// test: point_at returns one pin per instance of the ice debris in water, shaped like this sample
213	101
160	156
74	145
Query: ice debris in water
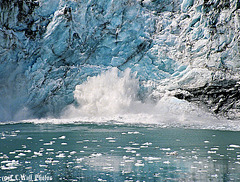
62	137
234	146
9	165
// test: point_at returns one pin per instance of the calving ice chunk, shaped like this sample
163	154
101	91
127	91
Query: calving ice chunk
112	92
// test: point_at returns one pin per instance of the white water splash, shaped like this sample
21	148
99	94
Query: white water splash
112	97
112	92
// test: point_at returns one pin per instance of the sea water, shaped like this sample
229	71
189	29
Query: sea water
116	152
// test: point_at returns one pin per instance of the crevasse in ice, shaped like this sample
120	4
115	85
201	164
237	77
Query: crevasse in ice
47	47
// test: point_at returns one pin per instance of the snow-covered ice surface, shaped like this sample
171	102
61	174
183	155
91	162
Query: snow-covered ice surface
162	53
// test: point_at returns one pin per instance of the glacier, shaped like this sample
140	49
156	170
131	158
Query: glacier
188	49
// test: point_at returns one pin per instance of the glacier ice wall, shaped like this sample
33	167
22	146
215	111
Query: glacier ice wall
47	47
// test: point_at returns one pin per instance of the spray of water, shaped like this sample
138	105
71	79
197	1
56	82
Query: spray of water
112	95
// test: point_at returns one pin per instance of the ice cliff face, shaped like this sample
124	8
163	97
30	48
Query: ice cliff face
190	48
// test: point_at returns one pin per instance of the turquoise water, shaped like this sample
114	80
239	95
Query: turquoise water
110	152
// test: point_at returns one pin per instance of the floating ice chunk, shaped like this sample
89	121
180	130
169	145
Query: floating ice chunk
13	135
212	152
38	154
60	155
172	153
62	137
96	155
4	157
130	148
9	165
214	148
214	176
8	168
3	162
79	160
129	161
42	165
19	150
110	138
165	149
134	132
50	143
73	152
49	160
234	146
135	144
166	162
21	154
151	158
147	143
139	164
